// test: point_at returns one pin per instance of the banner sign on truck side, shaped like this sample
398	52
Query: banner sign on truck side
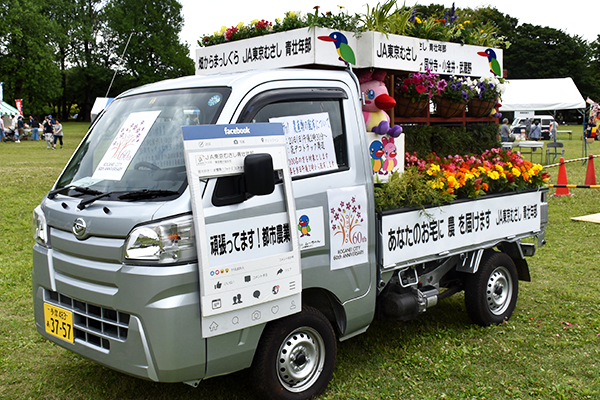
249	267
410	237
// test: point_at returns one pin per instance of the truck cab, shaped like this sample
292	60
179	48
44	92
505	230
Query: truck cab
106	252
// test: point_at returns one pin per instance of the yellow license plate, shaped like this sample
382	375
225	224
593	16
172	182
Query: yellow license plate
58	322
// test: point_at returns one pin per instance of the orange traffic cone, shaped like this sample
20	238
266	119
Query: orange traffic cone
562	180
590	176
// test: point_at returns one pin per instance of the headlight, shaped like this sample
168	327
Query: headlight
39	227
168	241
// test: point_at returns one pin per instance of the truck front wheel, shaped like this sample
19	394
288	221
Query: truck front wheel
491	293
296	356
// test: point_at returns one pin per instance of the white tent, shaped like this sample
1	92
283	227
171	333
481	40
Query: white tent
541	94
7	109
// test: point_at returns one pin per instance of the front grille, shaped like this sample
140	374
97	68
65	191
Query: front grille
92	324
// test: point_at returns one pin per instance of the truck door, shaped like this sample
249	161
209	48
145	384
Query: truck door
311	187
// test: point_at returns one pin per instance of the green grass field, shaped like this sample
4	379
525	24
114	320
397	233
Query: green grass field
549	349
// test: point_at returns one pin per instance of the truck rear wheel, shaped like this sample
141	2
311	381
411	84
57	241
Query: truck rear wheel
491	293
296	356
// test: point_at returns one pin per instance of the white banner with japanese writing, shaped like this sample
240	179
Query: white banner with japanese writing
414	235
330	47
348	226
309	143
412	54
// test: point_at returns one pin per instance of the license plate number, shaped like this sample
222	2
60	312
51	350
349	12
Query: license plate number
58	322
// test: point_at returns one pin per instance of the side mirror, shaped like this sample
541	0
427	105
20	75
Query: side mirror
259	174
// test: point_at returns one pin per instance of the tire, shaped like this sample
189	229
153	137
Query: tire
295	357
491	293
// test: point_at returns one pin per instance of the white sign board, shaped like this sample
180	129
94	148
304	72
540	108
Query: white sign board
311	228
410	236
249	268
412	54
125	145
309	142
319	46
348	224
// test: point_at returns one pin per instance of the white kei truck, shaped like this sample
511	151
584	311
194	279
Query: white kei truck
210	224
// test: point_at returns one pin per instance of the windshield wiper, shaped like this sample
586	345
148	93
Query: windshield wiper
132	195
147	194
81	189
90	200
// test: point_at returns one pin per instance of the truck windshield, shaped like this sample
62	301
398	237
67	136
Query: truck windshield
137	145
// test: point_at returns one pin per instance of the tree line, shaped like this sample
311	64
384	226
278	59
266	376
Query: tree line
60	55
57	54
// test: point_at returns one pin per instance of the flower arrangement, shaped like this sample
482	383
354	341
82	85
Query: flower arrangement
238	32
292	20
494	171
420	86
387	18
489	89
458	89
438	180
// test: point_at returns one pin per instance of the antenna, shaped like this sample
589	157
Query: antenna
122	55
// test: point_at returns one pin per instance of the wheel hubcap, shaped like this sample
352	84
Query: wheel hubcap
301	359
499	291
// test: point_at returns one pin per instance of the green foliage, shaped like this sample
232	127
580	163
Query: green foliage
470	139
387	17
27	63
154	52
408	190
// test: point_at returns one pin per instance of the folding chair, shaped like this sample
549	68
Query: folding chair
554	146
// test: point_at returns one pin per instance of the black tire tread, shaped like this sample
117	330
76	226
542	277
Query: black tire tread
475	290
265	378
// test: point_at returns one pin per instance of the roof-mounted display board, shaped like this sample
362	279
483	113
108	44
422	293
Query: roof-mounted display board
328	48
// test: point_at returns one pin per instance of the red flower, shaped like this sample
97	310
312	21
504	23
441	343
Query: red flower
420	88
404	88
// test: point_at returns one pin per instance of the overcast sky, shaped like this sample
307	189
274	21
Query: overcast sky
575	17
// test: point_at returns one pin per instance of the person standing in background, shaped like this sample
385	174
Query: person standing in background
48	132
58	134
35	128
553	128
536	132
504	130
20	128
2	128
527	124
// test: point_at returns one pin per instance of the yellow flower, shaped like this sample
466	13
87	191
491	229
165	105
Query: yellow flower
516	172
494	175
417	20
292	14
254	22
461	26
467	22
341	6
452	182
481	31
223	29
278	20
240	25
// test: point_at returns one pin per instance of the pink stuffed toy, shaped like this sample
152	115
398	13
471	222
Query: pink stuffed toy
377	101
